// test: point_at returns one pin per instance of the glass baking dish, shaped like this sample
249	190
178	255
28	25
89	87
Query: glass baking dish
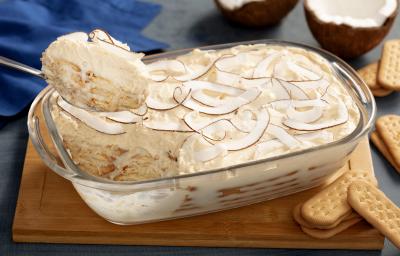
208	191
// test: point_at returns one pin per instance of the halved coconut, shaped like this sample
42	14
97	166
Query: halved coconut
350	28
255	13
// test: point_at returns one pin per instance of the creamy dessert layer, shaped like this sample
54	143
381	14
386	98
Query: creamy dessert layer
96	71
211	109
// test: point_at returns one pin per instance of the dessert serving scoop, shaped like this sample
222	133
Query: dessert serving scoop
33	71
92	71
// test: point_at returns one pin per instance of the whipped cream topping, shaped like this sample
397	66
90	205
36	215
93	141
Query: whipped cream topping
236	105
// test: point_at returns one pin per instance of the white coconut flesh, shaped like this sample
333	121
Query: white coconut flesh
141	111
341	117
220	121
91	119
354	13
161	70
126	117
228	106
235	4
249	139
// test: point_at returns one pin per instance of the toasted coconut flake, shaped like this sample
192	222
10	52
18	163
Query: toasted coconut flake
268	146
252	137
179	95
126	117
342	117
168	67
320	84
228	107
90	119
284	104
255	82
209	153
141	111
204	85
193	121
158	105
229	63
170	125
262	68
302	72
208	127
226	78
243	120
294	91
277	91
202	97
307	116
236	144
196	71
217	131
283	136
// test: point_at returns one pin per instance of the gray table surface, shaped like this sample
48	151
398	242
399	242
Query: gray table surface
185	24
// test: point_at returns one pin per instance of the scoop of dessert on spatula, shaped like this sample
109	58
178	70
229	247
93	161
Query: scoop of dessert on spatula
96	71
92	71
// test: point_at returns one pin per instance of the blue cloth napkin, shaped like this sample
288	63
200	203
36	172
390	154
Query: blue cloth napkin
27	27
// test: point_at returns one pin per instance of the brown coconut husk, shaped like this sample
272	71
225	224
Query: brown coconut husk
259	14
345	41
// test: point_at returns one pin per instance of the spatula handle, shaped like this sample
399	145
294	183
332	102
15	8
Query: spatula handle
21	67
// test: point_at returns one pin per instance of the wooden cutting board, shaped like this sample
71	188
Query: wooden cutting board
50	211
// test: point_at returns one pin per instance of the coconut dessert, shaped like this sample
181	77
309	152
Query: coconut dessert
89	71
212	109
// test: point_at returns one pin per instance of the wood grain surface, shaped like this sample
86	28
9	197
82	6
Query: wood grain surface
50	211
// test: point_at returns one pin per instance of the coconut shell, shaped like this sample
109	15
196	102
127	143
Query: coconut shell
343	40
259	14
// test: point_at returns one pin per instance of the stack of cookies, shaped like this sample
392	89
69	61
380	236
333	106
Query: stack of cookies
352	197
327	213
383	76
372	204
386	138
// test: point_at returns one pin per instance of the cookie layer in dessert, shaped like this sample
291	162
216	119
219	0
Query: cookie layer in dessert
212	109
96	71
